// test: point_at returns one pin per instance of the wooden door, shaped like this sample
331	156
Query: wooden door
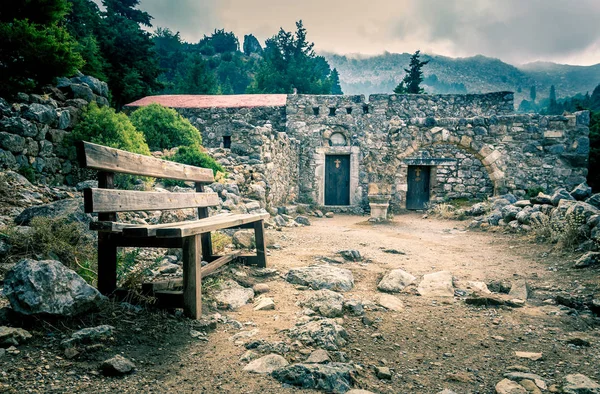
337	180
417	196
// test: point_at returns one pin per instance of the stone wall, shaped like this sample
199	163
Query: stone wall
33	128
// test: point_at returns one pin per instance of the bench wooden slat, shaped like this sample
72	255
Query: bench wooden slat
115	160
112	200
207	225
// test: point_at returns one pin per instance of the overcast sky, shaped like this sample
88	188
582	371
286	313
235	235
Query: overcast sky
516	31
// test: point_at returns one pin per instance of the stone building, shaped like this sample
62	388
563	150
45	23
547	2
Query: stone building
335	151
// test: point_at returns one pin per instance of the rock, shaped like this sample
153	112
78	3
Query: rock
49	288
350	255
325	302
580	384
261	288
506	386
264	304
529	355
88	335
390	302
520	290
334	377
10	336
383	373
70	209
324	333
232	296
518	376
322	277
118	365
581	192
541	199
594	200
319	356
266	364
395	281
438	284
303	220
560	194
587	260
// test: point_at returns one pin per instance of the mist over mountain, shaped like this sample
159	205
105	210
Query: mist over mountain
478	74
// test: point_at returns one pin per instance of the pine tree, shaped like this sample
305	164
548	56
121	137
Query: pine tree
414	76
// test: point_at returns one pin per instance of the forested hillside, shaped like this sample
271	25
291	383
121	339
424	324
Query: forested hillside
478	74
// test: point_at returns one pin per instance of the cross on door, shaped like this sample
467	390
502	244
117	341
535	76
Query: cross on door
337	163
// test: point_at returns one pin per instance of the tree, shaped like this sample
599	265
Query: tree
34	48
289	62
532	93
414	76
335	82
133	65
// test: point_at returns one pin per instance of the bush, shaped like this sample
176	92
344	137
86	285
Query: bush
56	239
164	128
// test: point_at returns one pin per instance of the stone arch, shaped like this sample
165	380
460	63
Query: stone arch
492	159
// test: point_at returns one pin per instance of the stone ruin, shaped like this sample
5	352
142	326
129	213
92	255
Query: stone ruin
286	149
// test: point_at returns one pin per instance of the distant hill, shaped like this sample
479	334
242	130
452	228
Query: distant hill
477	74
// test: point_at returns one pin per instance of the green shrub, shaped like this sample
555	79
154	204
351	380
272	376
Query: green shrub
164	128
56	239
194	157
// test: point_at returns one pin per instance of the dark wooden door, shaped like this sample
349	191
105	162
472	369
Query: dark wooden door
337	180
417	196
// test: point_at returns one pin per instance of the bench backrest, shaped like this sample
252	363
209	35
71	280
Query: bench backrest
106	201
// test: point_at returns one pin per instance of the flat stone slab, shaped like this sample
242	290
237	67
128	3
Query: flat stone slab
322	277
437	284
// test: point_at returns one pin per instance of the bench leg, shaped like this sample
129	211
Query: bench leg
107	264
259	236
207	250
192	281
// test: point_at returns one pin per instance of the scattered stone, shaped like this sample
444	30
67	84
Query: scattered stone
118	365
334	377
319	356
325	302
529	355
10	336
580	384
324	333
266	364
232	296
587	260
47	287
390	302
260	288
519	290
322	277
350	255
395	281
506	386
383	373
437	284
88	335
303	220
264	304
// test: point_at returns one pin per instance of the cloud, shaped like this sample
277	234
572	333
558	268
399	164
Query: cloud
513	30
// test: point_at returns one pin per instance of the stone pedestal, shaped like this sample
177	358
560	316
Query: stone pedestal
379	204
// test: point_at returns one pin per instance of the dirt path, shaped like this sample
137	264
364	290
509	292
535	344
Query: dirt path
430	345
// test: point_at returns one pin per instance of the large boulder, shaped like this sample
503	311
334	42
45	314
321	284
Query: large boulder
395	281
325	333
49	288
325	302
332	378
70	209
322	277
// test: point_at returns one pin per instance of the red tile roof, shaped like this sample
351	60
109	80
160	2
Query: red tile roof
211	101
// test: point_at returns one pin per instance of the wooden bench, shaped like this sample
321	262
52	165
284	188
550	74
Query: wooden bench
192	236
